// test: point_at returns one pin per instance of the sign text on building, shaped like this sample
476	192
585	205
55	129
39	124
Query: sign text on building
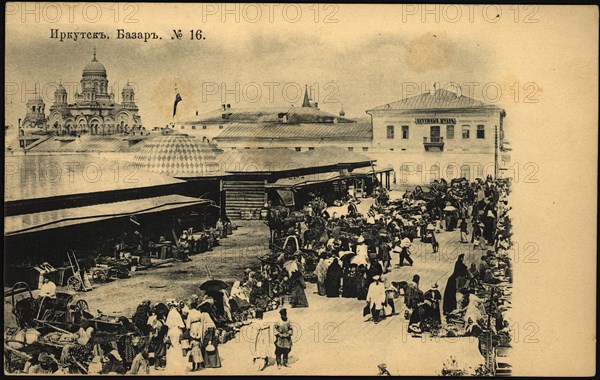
434	120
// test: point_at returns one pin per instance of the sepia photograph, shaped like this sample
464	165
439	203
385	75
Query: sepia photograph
284	189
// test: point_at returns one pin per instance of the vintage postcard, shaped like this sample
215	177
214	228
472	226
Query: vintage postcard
300	189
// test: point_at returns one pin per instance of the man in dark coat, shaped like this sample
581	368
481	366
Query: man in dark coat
361	282
349	283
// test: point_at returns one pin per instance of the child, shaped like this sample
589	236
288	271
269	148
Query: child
140	365
435	246
196	355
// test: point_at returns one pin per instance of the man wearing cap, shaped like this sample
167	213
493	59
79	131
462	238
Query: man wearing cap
352	210
283	339
376	298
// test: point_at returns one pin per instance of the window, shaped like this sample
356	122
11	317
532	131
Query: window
311	148
298	149
481	131
365	149
465	171
193	127
220	127
204	127
449	132
466	131
405	132
350	149
390	131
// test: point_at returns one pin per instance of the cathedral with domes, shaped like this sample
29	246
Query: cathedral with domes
93	112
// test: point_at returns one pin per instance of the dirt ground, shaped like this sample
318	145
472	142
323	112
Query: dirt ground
176	280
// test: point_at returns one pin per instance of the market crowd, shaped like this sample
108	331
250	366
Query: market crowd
348	255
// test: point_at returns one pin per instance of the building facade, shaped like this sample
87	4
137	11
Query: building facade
94	111
438	134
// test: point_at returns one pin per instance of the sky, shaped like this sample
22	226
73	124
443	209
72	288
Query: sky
357	56
367	58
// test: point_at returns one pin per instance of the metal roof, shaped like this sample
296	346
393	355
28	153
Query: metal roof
305	180
284	131
92	143
439	99
179	155
265	115
271	160
35	176
45	220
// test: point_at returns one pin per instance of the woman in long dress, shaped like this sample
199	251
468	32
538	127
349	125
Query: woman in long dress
361	282
176	362
333	279
261	346
460	271
320	272
349	281
210	341
297	285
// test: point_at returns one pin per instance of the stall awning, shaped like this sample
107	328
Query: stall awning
369	170
294	182
19	224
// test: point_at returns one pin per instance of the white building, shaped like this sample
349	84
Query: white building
438	134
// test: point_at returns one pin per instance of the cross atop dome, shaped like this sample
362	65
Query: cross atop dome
94	60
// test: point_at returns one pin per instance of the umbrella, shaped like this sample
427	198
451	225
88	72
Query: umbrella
213	285
449	208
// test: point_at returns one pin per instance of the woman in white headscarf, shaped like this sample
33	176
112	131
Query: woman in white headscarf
261	347
176	363
239	291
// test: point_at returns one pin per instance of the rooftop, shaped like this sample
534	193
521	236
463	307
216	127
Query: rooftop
266	115
178	155
29	177
439	99
282	159
91	143
303	131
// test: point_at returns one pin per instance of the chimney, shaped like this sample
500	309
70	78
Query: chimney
228	106
434	88
196	112
224	107
458	91
316	105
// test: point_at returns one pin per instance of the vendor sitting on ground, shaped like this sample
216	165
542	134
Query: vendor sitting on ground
48	289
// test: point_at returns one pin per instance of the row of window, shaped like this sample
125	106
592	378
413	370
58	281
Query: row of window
351	149
466	131
203	127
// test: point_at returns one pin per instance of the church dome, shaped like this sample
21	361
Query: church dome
60	90
127	88
178	155
94	67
